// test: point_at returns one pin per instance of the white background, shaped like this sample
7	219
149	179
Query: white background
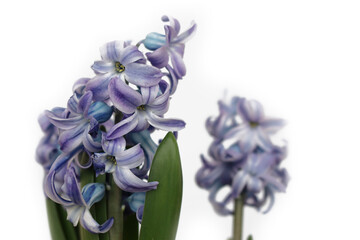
299	58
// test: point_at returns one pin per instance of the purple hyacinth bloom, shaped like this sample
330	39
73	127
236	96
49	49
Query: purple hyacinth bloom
80	125
124	61
81	201
144	108
48	149
171	45
256	128
119	162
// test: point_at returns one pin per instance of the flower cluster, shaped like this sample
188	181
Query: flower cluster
109	120
242	156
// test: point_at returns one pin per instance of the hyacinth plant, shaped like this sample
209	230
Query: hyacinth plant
101	163
242	158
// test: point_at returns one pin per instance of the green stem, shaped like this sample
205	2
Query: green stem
131	227
115	210
69	229
87	176
101	209
238	218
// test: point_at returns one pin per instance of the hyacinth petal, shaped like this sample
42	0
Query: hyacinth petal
123	96
251	111
84	103
178	48
272	125
149	94
262	139
178	63
64	123
50	190
219	207
72	104
72	187
90	144
131	158
79	85
136	200
123	127
111	51
100	111
128	182
165	124
93	193
114	147
89	223
173	22
239	183
130	54
187	35
101	67
71	139
173	79
163	97
139	213
74	213
159	58
98	85
170	33
142	75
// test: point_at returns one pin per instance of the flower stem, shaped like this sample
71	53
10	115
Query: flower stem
131	227
238	218
101	209
115	210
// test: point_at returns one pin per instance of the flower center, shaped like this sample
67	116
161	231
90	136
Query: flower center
254	124
111	158
119	67
141	107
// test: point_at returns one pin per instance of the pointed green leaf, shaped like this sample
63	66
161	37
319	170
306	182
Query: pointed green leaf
250	237
131	227
162	206
56	230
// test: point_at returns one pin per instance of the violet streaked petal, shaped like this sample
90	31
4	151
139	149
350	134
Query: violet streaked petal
84	103
64	123
50	190
90	144
111	51
165	124
89	223
251	111
98	85
159	58
170	33
173	79
72	188
72	104
149	94
71	139
124	97
263	140
139	213
92	193
239	183
173	22
123	127
159	100
128	182
142	122
130	158
179	48
130	54
142	75
101	67
113	147
272	125
79	85
177	63
187	35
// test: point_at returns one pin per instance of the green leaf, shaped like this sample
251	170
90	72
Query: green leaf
162	206
250	237
56	230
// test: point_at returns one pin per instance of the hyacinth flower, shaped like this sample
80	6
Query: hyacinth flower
145	108
243	158
124	61
99	155
82	201
169	46
119	162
